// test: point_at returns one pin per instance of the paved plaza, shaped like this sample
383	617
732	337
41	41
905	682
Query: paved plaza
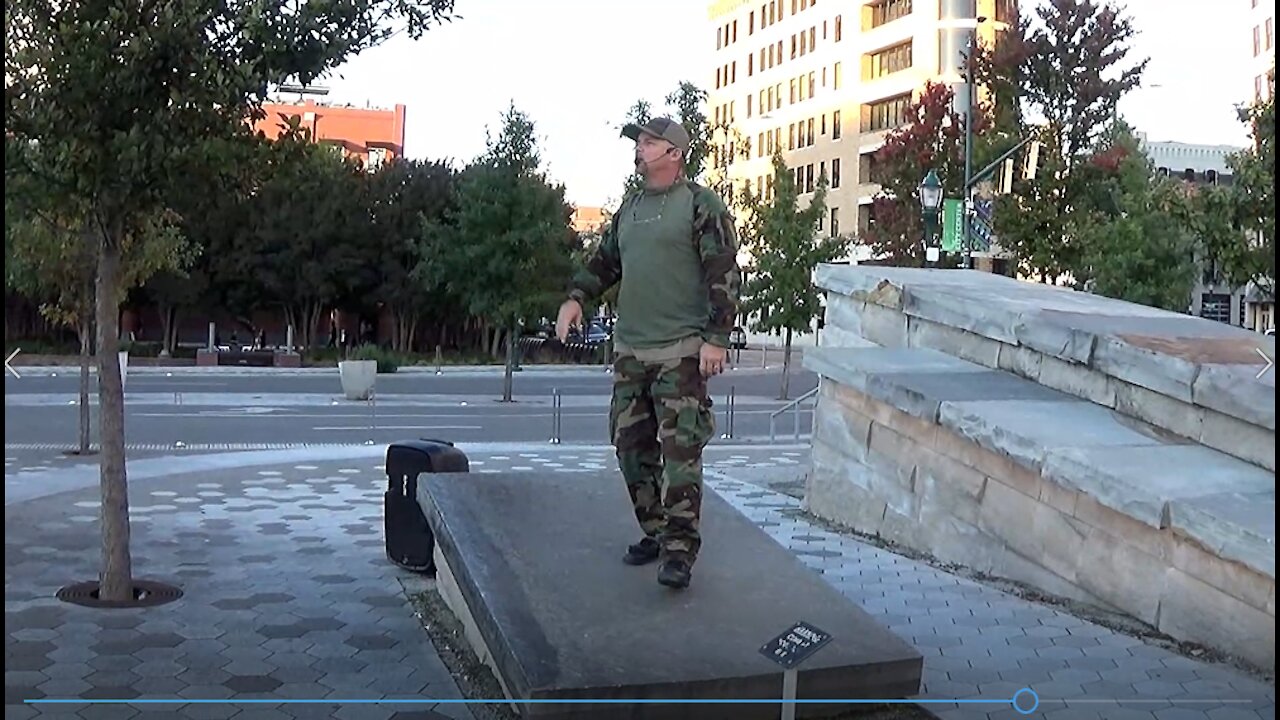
288	596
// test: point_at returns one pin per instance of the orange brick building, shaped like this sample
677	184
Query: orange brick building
372	135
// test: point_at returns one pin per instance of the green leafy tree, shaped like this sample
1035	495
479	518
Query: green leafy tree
785	246
49	259
507	238
1135	244
403	195
309	223
1074	66
932	138
116	94
1237	222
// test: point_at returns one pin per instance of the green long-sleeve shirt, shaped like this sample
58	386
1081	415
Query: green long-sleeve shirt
675	253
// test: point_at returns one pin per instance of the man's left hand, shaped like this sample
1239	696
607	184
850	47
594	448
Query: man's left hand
712	359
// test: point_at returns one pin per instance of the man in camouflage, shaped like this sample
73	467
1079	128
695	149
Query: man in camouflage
673	247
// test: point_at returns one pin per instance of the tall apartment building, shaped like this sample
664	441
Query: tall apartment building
825	80
1262	16
371	135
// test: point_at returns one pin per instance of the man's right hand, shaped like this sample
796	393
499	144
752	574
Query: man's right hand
570	316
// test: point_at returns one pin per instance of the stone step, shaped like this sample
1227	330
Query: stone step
1156	478
1204	380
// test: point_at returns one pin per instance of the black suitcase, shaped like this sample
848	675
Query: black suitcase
409	539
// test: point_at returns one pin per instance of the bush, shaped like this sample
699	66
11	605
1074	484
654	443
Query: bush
387	360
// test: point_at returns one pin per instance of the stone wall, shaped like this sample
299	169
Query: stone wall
1193	377
1074	480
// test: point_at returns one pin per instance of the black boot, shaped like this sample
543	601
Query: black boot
642	553
675	573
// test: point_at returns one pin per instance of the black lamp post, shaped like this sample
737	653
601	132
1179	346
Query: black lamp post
930	202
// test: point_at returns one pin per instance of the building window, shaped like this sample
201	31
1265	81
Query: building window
835	76
751	22
885	11
839	28
735	31
835	180
835	220
1257	41
813	37
791	136
835	125
733	72
887	62
1215	306
793	47
377	158
885	114
808	178
810	128
720	37
822	125
1269	35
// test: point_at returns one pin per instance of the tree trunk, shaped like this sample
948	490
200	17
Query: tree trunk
411	341
116	581
169	326
511	364
786	367
314	313
85	419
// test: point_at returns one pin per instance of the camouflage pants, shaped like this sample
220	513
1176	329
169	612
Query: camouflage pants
660	419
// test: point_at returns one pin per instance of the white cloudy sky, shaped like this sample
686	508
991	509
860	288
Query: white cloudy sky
575	66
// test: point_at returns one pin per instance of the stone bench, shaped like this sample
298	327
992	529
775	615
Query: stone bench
530	563
1009	477
1193	377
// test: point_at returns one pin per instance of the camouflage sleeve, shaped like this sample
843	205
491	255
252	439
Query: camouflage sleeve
602	270
717	243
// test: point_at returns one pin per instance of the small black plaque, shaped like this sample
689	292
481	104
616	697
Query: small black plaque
795	645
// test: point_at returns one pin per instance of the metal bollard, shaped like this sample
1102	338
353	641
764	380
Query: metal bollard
729	411
373	416
439	361
555	416
764	356
797	419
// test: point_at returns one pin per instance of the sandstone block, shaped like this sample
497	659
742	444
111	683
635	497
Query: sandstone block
1233	578
1164	373
1176	416
834	493
1122	575
1195	610
952	341
1020	360
1078	380
1237	391
1250	443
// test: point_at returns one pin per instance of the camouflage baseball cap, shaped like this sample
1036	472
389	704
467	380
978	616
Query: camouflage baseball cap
660	127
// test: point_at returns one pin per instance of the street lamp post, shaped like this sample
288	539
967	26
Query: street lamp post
971	89
930	202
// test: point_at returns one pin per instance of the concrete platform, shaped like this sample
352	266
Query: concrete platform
531	563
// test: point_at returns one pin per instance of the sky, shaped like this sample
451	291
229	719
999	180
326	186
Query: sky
576	66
